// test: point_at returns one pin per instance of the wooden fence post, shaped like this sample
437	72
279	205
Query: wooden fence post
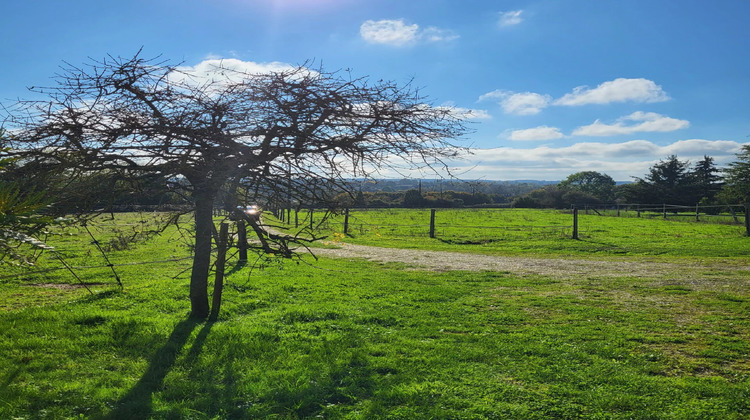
575	223
734	215
639	210
432	223
747	219
697	214
221	258
346	221
664	210
242	240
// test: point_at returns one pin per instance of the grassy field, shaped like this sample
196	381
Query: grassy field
541	232
354	339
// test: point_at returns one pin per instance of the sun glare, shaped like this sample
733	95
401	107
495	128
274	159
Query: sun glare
303	5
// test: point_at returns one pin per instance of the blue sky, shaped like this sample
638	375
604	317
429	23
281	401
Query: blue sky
555	87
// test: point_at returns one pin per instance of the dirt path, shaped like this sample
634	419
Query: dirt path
557	267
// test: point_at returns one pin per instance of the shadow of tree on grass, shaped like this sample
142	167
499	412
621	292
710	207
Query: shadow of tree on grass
137	403
221	383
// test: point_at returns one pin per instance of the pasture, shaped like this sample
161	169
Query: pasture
540	232
338	338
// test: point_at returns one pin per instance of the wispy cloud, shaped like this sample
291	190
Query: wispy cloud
633	123
524	103
472	114
466	113
389	32
618	90
622	161
613	152
510	18
398	33
224	70
433	34
537	133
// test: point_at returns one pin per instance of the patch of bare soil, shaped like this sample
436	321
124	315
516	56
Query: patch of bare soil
556	267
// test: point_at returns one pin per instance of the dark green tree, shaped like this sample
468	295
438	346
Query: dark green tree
21	220
638	192
670	180
704	180
413	199
737	178
554	196
593	183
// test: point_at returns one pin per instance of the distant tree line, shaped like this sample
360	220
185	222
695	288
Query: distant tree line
670	181
413	198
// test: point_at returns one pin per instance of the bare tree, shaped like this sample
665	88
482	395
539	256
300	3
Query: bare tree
269	130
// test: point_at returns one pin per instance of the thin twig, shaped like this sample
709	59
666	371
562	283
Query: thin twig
109	264
72	272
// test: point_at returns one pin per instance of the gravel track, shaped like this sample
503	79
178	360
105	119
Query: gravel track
557	267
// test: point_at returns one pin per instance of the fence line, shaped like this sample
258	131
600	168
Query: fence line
667	211
429	226
88	267
642	210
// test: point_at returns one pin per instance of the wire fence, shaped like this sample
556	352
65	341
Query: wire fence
730	214
470	222
91	244
468	225
430	223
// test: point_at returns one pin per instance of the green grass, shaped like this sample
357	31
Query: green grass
353	339
542	232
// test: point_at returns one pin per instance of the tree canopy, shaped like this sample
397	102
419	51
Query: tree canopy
737	177
667	181
704	179
594	183
285	132
21	220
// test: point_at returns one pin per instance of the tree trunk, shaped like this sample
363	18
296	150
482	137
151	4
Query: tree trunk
221	258
202	259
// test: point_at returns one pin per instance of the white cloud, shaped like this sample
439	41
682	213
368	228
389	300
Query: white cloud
224	70
538	133
510	18
466	113
647	122
472	114
389	32
697	148
433	34
524	103
210	66
494	95
622	161
618	90
398	33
